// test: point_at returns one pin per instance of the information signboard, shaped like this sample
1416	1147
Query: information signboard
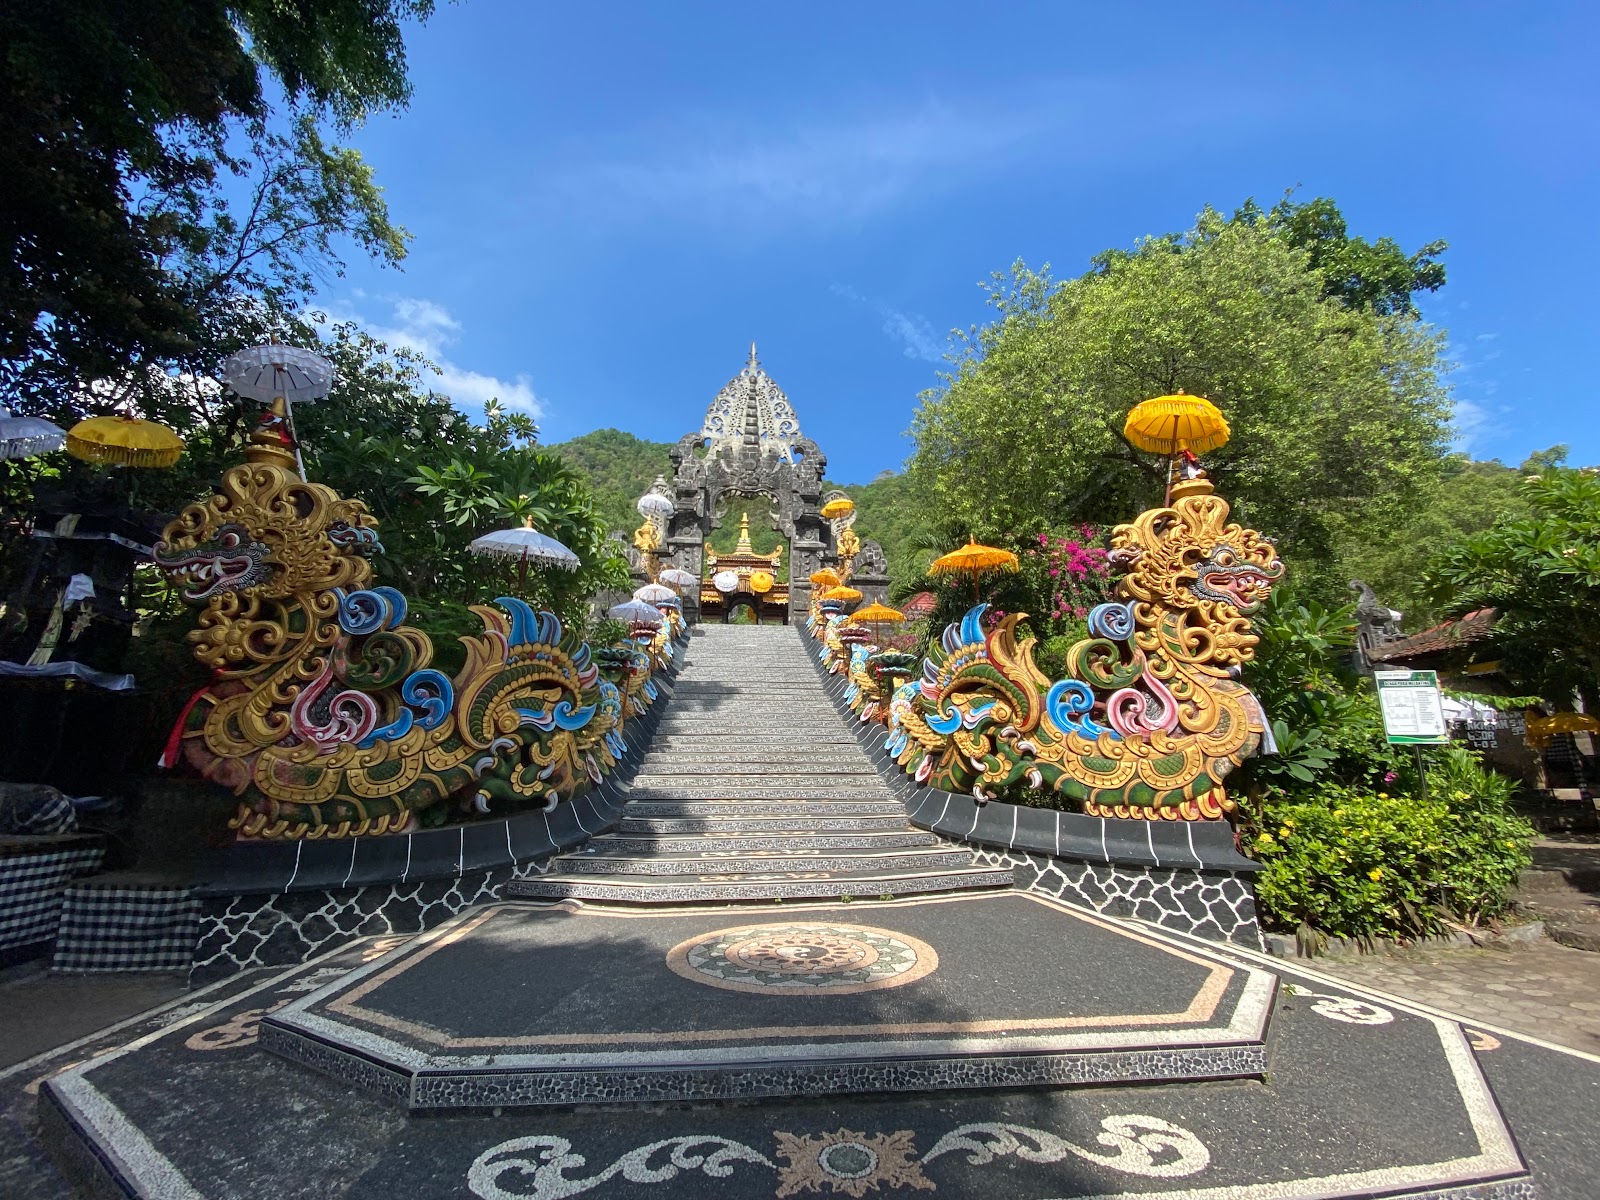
1413	709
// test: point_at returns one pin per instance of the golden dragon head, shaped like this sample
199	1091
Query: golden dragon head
1190	557
268	533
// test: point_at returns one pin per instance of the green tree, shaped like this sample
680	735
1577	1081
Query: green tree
1391	556
120	122
1338	413
619	469
1542	573
1376	276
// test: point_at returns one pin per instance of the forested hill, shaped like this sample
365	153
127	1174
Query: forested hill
620	467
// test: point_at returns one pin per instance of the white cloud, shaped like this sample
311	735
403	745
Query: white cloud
429	329
1473	423
832	171
912	330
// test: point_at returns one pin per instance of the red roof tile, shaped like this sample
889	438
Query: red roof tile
1473	627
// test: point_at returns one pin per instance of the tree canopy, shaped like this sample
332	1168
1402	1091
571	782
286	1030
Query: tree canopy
1541	571
119	125
1337	409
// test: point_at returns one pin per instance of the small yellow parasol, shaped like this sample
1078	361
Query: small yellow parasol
761	582
124	442
973	559
876	614
1174	424
826	578
847	594
842	507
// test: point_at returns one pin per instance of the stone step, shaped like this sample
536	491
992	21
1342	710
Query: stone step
685	737
778	790
839	741
787	839
671	761
767	807
763	862
767	824
712	780
774	886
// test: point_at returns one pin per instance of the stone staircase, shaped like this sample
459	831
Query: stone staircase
755	789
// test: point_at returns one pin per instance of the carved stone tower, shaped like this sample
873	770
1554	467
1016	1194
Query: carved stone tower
750	446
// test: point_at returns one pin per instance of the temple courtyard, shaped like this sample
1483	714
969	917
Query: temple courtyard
778	985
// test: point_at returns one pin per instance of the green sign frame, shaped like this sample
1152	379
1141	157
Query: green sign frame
1412	707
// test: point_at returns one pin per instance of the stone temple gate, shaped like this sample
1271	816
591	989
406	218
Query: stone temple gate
750	449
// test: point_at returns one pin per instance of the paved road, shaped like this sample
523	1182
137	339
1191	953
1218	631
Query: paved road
1544	990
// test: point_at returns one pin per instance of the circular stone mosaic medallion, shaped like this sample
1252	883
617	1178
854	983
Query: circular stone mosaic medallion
803	957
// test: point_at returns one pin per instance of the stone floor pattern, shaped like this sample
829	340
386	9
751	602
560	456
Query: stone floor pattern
754	788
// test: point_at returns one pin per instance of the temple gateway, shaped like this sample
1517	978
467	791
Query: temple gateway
750	461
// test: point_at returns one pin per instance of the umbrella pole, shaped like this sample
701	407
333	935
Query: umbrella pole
522	572
1171	459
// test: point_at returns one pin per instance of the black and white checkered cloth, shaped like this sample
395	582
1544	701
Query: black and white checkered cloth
113	928
31	889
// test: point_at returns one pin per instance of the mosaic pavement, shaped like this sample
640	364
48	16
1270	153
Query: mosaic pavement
1364	1097
907	1023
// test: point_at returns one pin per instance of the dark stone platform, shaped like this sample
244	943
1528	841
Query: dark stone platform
557	1005
1364	1098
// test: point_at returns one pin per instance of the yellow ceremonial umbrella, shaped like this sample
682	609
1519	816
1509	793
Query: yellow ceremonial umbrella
1173	424
847	594
826	578
973	559
761	582
842	507
876	614
124	442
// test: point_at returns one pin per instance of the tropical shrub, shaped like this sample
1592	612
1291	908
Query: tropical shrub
1354	841
1353	863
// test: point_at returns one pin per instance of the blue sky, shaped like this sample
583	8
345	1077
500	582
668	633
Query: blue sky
611	201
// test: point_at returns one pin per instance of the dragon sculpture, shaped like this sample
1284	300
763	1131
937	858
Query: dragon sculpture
1152	716
324	715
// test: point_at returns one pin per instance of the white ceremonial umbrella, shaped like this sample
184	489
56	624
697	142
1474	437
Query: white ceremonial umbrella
725	581
637	612
654	504
654	593
23	437
267	372
679	578
528	545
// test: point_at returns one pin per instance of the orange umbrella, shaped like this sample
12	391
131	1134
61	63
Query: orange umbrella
876	614
826	578
842	507
1175	424
848	594
973	559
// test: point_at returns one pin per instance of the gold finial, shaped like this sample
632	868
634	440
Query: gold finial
1194	485
272	444
744	546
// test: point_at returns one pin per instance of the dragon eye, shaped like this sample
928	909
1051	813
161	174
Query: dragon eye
229	539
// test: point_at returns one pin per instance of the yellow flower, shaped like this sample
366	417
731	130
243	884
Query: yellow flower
1284	832
1375	874
1383	795
1266	839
